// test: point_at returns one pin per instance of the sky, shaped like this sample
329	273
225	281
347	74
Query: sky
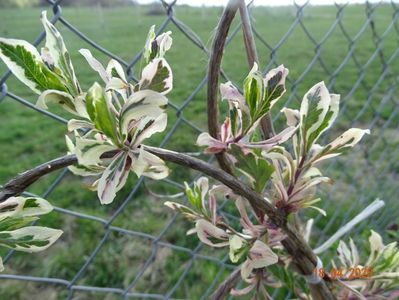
261	2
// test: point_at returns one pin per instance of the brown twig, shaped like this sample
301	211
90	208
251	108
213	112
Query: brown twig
213	76
226	286
266	123
20	183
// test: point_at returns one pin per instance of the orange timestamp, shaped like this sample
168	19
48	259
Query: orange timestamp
341	273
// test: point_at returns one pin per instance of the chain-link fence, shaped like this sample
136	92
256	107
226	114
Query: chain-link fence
136	248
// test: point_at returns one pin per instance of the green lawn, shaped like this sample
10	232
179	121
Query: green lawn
28	138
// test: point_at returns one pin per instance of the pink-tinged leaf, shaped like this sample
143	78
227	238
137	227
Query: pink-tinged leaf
186	211
230	93
213	145
113	178
225	132
206	230
278	139
245	222
261	255
213	208
242	292
149	165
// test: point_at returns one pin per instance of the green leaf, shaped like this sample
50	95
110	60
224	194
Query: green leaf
98	108
25	63
12	223
253	91
254	167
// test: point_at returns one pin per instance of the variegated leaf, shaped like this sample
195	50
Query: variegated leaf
238	248
89	151
98	107
141	104
259	256
64	99
149	165
156	47
24	207
329	119
314	107
95	64
157	76
147	127
346	140
26	64
60	56
254	91
206	230
114	177
197	194
274	88
30	238
186	211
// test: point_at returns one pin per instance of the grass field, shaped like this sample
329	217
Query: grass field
28	138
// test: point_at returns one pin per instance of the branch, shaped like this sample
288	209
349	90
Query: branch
295	245
213	76
20	183
266	123
225	287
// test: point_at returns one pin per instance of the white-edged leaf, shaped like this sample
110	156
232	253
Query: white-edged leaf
114	177
95	64
314	107
141	104
74	124
346	140
147	127
237	248
30	238
89	151
64	99
206	230
24	207
149	165
157	76
26	64
114	69
292	116
59	55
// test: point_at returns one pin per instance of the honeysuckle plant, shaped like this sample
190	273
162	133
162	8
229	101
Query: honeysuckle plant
112	119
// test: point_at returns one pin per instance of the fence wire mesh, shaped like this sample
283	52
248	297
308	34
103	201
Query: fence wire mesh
135	248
